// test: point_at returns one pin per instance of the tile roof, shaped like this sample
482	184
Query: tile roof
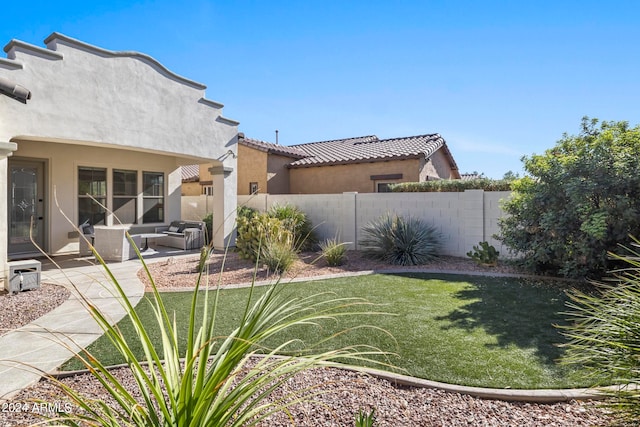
190	173
272	148
367	148
469	176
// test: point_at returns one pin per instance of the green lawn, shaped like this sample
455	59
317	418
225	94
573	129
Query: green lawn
476	331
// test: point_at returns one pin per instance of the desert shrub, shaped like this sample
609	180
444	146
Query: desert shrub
400	241
298	222
254	231
452	185
579	200
604	337
333	251
246	212
278	252
484	254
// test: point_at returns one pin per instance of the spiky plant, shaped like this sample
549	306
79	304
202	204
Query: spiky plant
365	419
277	252
604	336
333	251
400	241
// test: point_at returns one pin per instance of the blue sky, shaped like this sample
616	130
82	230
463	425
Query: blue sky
497	79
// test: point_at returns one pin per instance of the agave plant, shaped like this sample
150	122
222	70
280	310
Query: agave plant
400	241
216	383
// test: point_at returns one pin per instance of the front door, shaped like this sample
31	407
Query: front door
26	208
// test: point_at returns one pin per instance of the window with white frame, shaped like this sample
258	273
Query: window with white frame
125	195
207	190
152	197
92	195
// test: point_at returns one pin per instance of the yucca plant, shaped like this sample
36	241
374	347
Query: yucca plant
333	251
604	336
400	241
218	382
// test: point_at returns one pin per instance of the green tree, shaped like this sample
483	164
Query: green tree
577	201
510	176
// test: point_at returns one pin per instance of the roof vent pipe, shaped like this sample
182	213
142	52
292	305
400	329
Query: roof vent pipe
276	136
14	90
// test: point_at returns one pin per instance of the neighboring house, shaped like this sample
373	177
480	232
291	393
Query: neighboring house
365	164
470	176
79	122
263	167
191	180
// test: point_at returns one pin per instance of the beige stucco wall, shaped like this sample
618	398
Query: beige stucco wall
437	167
252	167
86	96
191	189
278	174
352	177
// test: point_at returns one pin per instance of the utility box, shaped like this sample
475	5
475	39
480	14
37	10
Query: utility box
22	275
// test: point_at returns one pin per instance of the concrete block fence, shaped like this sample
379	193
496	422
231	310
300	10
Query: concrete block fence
463	219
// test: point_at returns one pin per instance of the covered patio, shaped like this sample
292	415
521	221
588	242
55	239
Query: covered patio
93	136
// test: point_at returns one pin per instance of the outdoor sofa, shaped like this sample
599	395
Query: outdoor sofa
183	235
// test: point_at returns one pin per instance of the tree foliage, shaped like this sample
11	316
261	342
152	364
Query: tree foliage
578	200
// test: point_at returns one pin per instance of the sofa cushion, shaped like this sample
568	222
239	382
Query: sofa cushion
173	233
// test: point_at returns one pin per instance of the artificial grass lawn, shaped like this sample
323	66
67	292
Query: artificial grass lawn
475	331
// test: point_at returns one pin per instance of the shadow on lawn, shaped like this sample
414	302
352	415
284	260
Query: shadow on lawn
516	311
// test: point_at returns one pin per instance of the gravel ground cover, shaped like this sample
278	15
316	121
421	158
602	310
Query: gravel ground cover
24	307
341	393
230	269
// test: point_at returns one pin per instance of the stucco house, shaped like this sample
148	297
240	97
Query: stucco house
191	180
78	121
264	167
364	164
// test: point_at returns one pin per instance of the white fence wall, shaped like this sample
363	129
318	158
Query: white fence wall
194	208
463	219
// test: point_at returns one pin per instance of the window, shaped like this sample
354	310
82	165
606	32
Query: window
153	197
253	187
207	190
92	184
383	187
125	196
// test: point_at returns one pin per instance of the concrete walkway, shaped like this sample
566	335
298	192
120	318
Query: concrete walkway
42	346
